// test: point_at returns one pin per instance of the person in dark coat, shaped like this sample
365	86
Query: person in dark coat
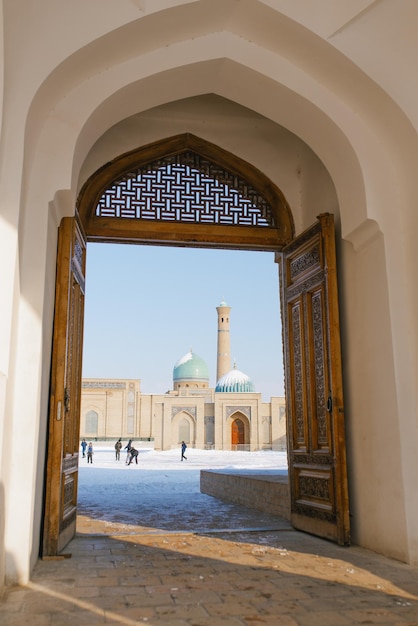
83	447
133	455
183	450
128	450
118	448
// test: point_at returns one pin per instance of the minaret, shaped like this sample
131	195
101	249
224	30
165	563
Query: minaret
224	342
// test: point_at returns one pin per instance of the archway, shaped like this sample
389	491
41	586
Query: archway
183	427
240	432
118	204
137	198
92	423
237	432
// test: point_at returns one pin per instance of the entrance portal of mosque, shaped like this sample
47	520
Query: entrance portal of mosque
237	433
184	191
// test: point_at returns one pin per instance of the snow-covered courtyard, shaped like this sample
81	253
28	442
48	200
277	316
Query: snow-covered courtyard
162	493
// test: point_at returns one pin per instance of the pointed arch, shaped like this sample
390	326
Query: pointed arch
228	202
183	425
239	431
92	423
184	430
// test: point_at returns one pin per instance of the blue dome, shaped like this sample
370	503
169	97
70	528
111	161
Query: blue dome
191	367
235	382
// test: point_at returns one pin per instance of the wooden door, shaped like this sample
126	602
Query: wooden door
65	393
314	393
237	432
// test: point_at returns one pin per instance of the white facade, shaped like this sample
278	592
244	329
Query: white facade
113	408
320	96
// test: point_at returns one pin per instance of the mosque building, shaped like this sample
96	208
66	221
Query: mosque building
231	416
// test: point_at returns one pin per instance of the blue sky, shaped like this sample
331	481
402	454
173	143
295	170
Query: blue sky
146	306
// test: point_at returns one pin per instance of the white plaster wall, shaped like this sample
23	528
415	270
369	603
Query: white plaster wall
70	77
2	486
279	154
377	489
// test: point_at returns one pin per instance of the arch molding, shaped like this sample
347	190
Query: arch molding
274	231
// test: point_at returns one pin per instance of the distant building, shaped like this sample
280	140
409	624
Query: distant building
231	416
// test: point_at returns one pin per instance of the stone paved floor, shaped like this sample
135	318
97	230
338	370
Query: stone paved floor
228	578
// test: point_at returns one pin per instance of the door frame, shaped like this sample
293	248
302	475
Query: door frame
275	237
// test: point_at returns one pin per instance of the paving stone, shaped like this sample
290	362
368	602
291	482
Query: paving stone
278	578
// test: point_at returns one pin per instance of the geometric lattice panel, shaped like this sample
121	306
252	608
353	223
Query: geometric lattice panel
185	188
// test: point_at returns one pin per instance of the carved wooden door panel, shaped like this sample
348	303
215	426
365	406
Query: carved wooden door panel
314	394
65	393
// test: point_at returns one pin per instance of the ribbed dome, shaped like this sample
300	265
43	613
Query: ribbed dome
190	367
234	381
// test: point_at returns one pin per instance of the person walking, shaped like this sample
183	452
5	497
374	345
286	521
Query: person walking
183	450
133	455
128	450
90	453
118	448
83	447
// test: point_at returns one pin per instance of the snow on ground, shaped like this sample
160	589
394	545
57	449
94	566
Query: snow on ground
161	492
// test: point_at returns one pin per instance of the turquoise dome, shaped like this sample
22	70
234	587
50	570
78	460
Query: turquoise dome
235	382
191	367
